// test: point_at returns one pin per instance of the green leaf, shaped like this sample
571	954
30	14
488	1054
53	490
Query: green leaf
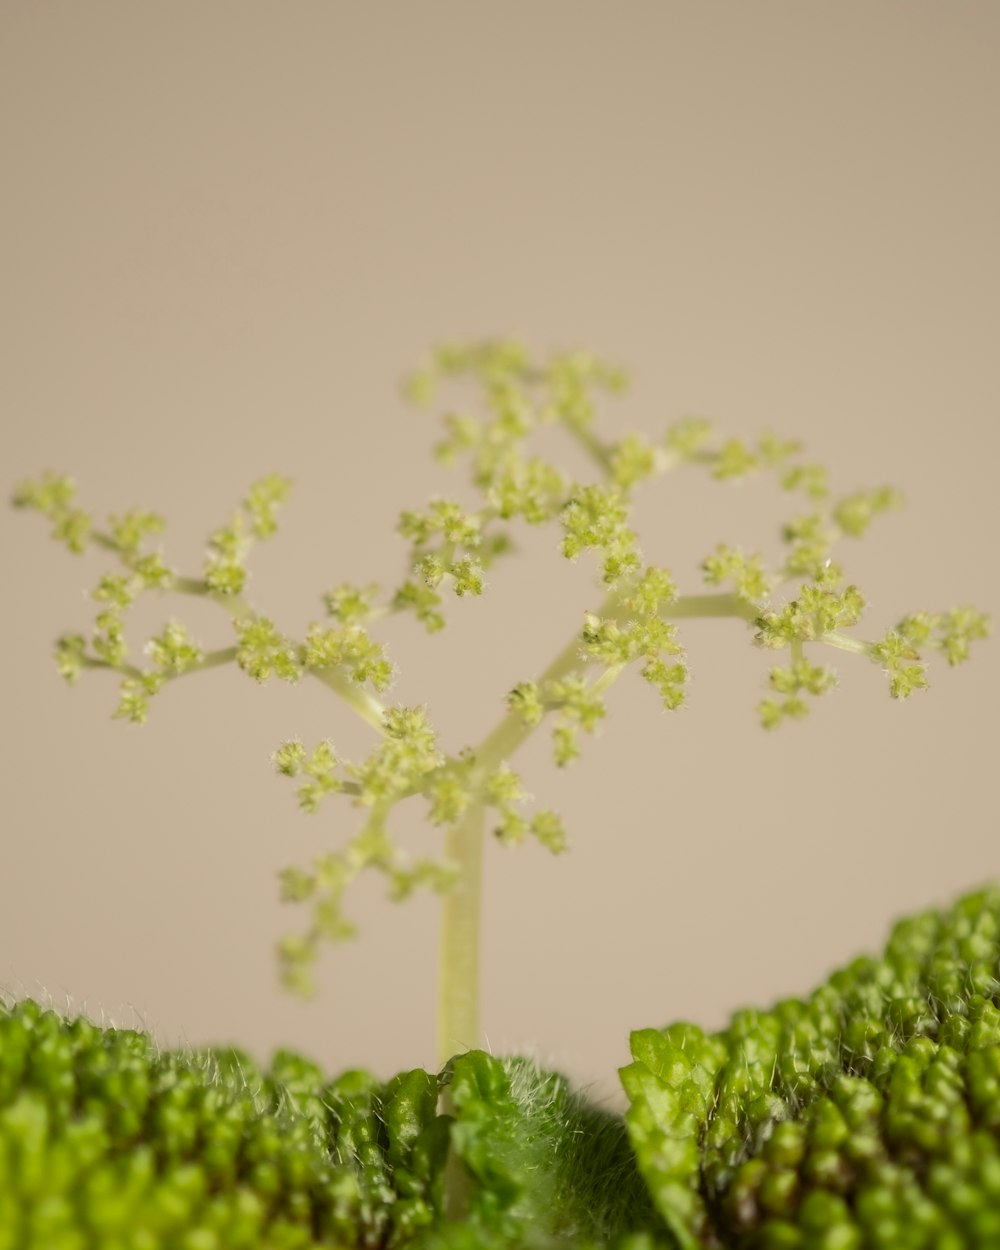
867	1114
670	1086
107	1139
541	1162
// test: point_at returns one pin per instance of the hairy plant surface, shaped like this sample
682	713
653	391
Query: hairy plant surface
866	1115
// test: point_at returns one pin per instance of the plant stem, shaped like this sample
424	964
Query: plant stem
505	738
458	971
722	604
846	643
458	984
215	659
592	445
190	586
366	705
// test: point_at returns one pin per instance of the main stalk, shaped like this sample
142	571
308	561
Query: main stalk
458	970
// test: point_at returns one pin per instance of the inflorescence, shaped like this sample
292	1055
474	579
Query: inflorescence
793	607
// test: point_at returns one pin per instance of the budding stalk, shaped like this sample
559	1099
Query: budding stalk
794	605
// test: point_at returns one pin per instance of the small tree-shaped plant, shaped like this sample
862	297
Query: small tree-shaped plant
798	609
864	1115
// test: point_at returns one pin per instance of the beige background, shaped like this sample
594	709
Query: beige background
227	230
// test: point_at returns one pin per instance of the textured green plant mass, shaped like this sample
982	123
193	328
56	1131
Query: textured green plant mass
107	1143
863	1117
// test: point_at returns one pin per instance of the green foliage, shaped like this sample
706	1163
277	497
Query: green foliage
542	1165
866	1115
106	1142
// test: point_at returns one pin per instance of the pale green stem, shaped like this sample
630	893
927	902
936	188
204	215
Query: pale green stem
213	659
722	604
126	670
458	983
235	605
458	987
190	586
501	743
592	445
844	643
366	705
458	969
607	679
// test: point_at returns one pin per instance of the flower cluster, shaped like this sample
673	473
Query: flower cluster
229	546
795	604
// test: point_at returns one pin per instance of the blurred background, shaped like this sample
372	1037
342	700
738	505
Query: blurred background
229	229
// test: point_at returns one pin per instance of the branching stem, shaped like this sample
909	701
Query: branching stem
458	984
593	446
215	659
844	643
365	704
458	970
721	604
